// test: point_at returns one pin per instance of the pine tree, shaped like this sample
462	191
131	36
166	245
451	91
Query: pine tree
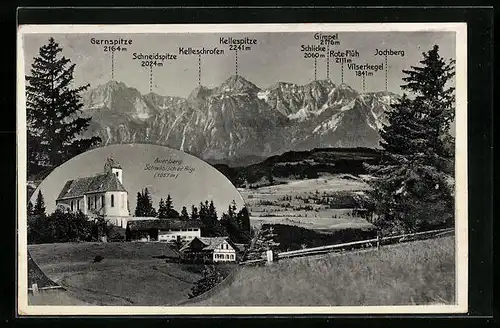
139	207
410	187
144	206
148	204
230	212
53	110
203	211
194	213
229	226
266	240
244	221
184	213
162	211
39	208
212	212
213	221
234	209
30	208
168	203
169	208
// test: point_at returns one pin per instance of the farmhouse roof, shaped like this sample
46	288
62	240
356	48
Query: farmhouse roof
162	224
210	243
97	183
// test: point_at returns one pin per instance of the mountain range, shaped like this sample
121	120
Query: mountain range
237	121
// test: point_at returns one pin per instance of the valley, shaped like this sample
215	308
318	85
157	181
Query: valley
325	203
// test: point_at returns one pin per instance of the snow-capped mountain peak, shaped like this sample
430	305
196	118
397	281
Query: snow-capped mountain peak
238	119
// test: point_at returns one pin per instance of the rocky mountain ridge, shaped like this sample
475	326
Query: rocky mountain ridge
237	119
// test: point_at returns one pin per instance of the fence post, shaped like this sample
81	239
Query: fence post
35	289
270	257
378	242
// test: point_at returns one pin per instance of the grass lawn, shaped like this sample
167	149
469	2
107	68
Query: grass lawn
421	272
129	274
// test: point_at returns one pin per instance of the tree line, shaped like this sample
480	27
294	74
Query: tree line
63	226
67	226
233	222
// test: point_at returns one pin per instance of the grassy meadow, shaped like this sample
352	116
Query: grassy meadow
129	273
324	203
415	273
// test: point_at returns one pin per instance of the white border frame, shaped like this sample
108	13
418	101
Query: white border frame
461	189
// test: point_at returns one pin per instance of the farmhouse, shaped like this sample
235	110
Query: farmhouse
101	195
162	230
210	249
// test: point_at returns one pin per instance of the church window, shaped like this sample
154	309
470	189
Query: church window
95	201
71	206
102	200
112	200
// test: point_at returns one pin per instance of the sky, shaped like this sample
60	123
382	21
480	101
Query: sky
204	183
276	57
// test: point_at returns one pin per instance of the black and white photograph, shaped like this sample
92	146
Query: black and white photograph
242	169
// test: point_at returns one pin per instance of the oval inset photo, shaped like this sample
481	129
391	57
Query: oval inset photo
134	224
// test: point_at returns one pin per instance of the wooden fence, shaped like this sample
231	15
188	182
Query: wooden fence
375	242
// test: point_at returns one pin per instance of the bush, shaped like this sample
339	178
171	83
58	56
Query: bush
60	226
212	276
115	233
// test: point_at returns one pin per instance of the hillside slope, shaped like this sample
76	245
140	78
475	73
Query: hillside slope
421	272
129	273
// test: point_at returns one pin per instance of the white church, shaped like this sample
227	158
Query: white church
101	195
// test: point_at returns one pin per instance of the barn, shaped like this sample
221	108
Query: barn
166	230
210	249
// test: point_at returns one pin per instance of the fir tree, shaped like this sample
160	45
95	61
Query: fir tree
148	204
419	127
213	224
162	211
139	207
39	208
266	239
169	205
54	120
212	212
30	208
410	186
230	227
234	209
184	213
203	212
144	206
244	222
230	212
169	208
194	213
